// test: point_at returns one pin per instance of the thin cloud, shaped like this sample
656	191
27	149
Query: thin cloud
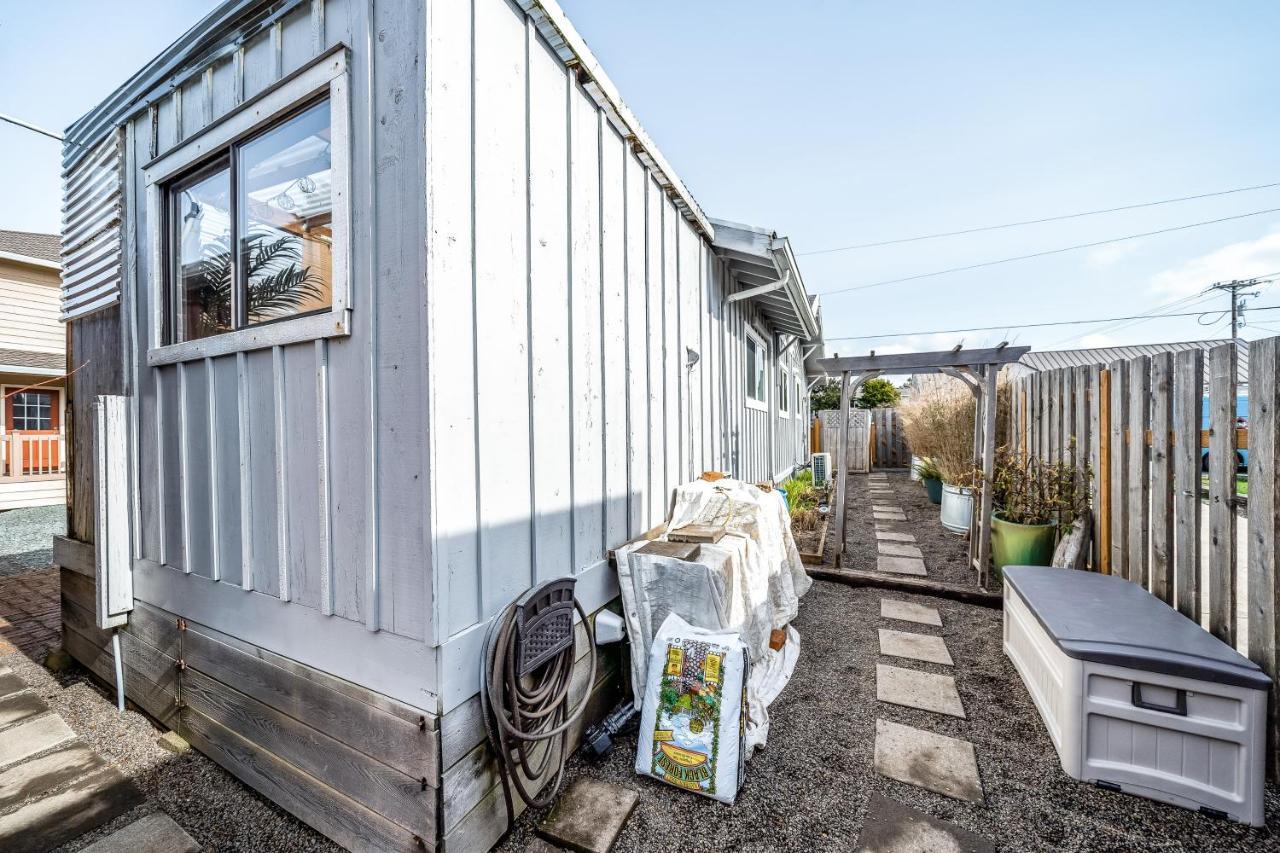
1245	259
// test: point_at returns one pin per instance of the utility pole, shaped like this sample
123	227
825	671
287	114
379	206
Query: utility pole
1235	288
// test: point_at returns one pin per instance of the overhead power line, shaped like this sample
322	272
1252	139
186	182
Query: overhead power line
1040	221
1040	325
1046	253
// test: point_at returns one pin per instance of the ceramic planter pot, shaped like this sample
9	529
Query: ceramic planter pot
957	508
1014	544
933	486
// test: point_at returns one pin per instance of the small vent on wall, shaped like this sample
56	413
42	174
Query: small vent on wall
92	216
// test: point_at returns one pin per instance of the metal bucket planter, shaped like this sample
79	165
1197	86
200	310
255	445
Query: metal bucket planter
1014	544
933	487
957	508
915	472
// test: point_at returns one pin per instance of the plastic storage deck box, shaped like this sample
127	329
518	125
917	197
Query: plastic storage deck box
1136	697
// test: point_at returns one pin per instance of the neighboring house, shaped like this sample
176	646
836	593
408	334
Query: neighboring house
476	334
32	364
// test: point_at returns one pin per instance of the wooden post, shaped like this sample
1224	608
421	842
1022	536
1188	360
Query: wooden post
1046	415
1080	406
1093	458
1264	527
842	466
1119	468
1162	477
989	403
1053	396
1103	504
1068	413
1188	391
1023	435
1138	494
1222	493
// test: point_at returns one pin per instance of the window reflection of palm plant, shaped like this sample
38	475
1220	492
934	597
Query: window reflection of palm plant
277	282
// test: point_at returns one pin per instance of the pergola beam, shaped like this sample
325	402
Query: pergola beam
922	362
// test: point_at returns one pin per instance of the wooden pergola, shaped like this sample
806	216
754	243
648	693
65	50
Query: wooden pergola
977	369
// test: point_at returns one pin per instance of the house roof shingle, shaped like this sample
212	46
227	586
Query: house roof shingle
32	244
38	360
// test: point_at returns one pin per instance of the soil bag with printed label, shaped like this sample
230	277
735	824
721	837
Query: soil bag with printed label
692	723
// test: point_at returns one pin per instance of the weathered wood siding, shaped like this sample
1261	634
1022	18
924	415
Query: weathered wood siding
583	360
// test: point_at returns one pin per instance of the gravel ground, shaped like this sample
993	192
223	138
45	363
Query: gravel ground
809	789
218	811
946	555
26	538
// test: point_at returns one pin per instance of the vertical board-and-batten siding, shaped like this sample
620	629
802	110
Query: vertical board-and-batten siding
256	468
566	295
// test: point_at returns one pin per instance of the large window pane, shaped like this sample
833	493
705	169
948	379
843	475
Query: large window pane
286	218
201	215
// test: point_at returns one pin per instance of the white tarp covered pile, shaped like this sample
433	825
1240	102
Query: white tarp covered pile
750	583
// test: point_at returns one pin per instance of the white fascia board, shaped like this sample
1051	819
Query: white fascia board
571	47
30	261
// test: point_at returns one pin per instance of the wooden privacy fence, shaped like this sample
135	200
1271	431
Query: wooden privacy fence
858	451
888	440
1136	425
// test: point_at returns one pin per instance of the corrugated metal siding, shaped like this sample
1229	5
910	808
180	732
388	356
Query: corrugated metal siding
1038	360
92	213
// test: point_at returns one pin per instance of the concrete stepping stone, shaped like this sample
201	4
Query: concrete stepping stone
37	777
19	706
10	683
888	516
588	816
915	689
885	508
155	833
32	736
899	549
893	535
907	611
891	827
944	765
903	644
900	565
92	800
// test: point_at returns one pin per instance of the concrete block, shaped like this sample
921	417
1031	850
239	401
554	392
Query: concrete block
915	689
588	816
907	611
900	565
899	549
903	644
891	827
944	765
894	536
155	833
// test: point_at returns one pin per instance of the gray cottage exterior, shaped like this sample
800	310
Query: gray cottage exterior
408	314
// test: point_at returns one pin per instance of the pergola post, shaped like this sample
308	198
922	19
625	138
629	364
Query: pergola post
842	472
989	401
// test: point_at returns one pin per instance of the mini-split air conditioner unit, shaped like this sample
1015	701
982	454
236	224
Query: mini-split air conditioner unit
821	463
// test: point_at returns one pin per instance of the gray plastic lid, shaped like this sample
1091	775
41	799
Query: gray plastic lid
1106	619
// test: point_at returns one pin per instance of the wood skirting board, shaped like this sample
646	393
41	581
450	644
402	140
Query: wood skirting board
363	769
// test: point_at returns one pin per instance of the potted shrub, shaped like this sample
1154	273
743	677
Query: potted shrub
1033	500
957	493
931	477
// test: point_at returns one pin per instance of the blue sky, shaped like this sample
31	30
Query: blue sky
846	122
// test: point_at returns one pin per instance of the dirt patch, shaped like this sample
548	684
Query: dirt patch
809	789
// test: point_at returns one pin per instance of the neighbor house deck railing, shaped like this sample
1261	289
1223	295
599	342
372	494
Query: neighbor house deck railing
35	455
1137	425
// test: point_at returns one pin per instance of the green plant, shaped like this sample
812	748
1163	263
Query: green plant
1035	492
276	280
801	495
877	393
825	395
928	469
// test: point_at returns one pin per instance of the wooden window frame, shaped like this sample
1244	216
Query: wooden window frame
326	76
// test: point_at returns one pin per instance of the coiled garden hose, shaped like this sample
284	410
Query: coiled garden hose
527	717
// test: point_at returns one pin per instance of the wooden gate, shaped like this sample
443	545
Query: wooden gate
888	441
859	453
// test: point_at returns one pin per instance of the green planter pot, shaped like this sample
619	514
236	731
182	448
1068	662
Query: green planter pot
933	486
1021	544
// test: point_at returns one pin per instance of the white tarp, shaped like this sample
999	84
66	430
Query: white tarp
750	583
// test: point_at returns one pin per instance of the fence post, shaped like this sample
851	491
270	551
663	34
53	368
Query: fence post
1119	467
1264	527
1188	391
1162	477
1222	493
1092	421
1102	473
1139	488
